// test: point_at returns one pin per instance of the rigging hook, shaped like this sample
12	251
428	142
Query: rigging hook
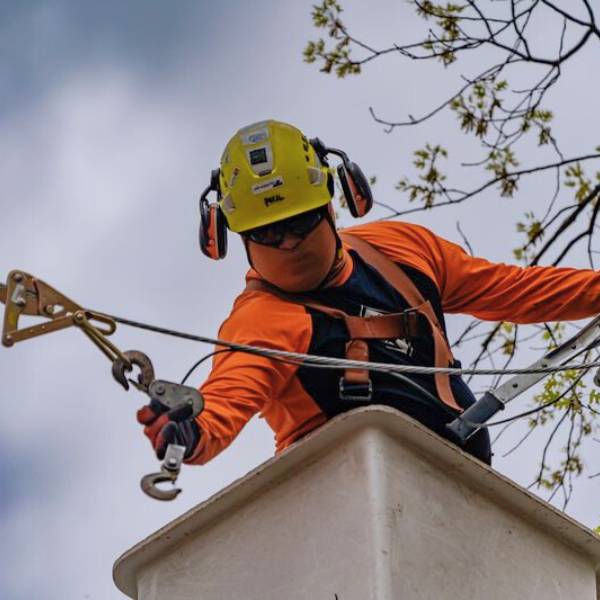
169	472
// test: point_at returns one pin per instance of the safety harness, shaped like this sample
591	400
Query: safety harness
418	320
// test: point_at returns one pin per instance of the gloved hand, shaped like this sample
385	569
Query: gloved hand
164	427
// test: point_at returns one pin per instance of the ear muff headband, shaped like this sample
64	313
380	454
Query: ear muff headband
355	186
213	225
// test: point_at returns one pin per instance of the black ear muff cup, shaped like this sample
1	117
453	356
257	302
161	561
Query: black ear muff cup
213	231
220	230
355	186
341	172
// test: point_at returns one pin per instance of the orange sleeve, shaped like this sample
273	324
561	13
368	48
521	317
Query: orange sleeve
497	291
242	384
488	291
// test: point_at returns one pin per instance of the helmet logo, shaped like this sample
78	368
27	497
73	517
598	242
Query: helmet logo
255	137
272	199
259	188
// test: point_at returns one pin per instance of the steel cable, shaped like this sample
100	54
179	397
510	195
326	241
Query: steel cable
343	363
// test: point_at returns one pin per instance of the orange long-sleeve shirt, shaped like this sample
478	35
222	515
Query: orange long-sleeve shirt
241	385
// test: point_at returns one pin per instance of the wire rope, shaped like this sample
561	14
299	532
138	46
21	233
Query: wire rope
313	360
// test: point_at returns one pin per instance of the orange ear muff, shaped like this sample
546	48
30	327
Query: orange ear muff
213	231
355	186
213	225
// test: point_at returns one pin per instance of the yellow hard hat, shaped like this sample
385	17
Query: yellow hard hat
269	172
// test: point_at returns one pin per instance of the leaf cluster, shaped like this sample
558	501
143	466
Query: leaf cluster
337	57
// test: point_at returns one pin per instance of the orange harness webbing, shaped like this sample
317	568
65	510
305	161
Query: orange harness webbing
407	324
399	280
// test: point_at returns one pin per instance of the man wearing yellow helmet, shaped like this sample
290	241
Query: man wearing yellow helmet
374	292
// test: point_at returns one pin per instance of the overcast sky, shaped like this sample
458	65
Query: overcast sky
112	115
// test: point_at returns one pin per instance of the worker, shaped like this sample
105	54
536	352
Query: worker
374	292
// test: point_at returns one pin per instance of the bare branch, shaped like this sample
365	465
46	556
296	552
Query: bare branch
589	24
512	174
464	238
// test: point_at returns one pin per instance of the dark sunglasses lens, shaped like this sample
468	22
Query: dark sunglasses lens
300	225
304	223
269	235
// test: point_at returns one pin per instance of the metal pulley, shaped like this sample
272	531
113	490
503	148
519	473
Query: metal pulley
179	402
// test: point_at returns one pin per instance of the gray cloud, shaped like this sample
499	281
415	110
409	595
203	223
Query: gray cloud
44	43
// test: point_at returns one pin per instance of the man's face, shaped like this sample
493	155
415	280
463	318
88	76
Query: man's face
295	254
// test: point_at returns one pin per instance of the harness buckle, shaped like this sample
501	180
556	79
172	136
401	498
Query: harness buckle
355	392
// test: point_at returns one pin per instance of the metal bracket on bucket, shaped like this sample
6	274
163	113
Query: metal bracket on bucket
475	417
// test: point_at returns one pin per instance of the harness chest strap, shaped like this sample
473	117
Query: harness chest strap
375	327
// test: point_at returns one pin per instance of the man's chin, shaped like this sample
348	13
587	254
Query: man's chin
299	283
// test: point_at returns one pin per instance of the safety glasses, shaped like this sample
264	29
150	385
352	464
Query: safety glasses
300	225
